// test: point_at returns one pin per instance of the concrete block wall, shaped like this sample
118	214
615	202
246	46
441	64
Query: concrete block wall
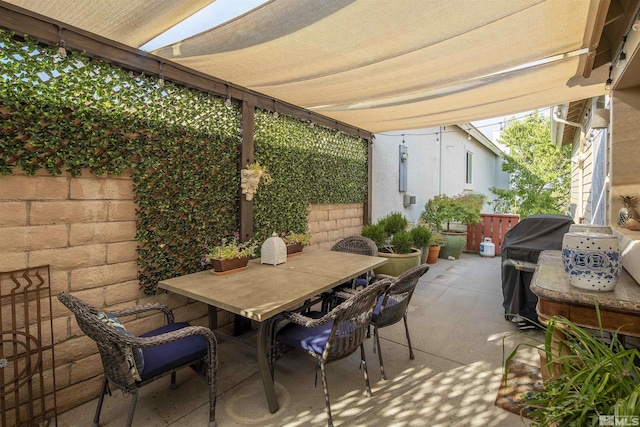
330	223
84	228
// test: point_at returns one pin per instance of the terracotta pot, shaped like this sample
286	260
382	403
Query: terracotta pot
294	248
432	256
228	265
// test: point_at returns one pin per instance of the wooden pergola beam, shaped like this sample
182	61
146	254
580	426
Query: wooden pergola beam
48	31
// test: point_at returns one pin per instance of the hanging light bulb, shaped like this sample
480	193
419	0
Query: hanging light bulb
62	51
160	76
609	82
227	102
622	60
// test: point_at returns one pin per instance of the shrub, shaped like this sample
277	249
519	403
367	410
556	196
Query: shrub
402	242
443	210
393	223
421	236
376	233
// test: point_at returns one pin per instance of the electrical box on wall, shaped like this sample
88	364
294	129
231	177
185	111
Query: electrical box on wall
403	157
408	200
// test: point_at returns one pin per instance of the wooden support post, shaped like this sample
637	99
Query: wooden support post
242	324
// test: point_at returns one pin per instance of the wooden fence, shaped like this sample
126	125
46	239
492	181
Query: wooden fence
494	226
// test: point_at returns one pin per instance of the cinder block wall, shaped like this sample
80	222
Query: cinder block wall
84	228
330	223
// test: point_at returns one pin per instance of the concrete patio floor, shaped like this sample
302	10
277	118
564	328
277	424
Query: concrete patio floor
457	330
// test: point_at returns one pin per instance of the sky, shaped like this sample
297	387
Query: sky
221	11
209	17
489	127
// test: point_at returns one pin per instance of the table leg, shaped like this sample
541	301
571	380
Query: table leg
213	317
263	363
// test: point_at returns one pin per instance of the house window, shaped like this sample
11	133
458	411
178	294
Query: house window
469	169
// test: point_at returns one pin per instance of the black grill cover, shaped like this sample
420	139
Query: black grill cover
524	242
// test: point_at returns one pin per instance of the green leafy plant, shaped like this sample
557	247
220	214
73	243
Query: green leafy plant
180	145
394	223
301	238
264	174
437	239
442	211
421	236
402	242
310	165
230	248
539	170
377	233
593	377
384	233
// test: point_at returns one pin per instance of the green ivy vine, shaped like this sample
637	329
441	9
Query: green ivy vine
79	114
309	165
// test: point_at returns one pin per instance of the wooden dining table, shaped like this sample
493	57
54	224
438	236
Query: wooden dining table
262	291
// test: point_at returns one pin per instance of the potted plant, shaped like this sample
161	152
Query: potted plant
295	242
395	241
421	235
586	377
450	216
436	242
230	255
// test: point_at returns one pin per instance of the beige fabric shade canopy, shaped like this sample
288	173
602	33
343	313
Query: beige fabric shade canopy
378	65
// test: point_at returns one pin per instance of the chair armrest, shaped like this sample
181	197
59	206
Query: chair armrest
144	308
143	342
378	277
305	321
346	293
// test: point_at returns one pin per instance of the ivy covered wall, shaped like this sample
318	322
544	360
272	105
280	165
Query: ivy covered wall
69	112
310	165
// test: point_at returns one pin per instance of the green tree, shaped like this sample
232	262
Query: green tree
540	171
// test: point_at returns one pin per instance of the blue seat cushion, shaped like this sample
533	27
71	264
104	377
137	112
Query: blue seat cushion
310	339
360	282
376	311
165	357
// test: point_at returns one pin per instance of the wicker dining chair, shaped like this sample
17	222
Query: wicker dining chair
393	306
359	245
130	362
331	336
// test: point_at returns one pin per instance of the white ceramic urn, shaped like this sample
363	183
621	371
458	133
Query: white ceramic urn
592	260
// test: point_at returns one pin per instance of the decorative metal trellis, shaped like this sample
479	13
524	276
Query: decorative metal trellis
27	379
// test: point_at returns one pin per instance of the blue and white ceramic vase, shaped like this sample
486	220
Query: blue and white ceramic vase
592	260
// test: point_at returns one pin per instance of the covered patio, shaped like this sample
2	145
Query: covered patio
405	67
457	330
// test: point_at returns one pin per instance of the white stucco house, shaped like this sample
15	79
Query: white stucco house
412	166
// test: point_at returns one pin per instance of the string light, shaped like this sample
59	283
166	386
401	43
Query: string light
161	76
609	82
62	51
228	101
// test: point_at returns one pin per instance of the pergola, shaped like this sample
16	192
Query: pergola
359	66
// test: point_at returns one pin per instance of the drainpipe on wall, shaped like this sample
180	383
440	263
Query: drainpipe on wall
580	158
441	151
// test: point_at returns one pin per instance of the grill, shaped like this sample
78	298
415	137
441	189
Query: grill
520	251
